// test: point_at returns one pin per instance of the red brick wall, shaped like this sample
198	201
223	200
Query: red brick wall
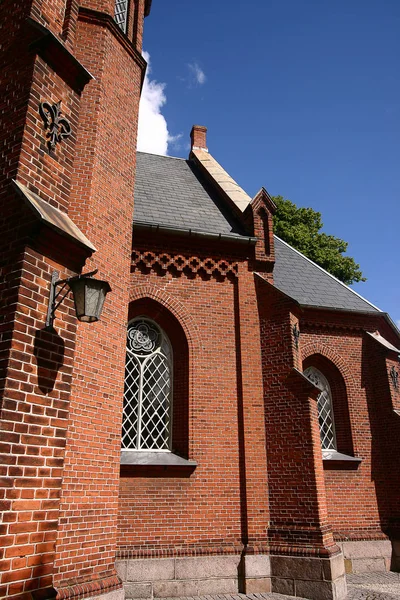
48	174
36	364
361	502
138	22
101	204
223	504
15	96
252	434
203	510
22	134
51	14
156	515
298	515
104	6
34	422
35	411
31	81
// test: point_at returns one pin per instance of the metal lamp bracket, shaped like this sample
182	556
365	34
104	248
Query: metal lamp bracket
57	297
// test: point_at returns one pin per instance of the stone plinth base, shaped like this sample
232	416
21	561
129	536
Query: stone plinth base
115	595
368	555
306	577
256	574
194	576
303	577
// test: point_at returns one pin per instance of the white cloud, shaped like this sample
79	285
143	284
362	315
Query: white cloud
197	73
153	134
174	139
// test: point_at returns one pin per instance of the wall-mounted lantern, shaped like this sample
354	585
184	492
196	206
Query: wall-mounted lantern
88	293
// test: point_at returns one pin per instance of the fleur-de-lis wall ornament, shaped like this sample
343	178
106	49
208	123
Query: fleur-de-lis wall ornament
57	126
395	377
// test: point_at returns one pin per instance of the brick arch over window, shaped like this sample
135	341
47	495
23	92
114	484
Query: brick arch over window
340	380
168	322
176	308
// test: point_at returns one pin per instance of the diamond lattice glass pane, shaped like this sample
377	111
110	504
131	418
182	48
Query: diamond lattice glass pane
131	402
148	385
121	13
155	425
325	421
325	412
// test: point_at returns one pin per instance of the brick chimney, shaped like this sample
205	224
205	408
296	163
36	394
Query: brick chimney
198	137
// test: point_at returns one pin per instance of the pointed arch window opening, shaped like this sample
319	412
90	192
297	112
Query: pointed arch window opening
325	409
147	416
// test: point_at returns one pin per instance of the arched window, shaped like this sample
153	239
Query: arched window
121	13
147	418
325	410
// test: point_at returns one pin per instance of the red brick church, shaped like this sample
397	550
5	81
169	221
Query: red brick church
193	409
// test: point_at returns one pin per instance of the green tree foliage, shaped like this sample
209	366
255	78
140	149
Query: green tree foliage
300	227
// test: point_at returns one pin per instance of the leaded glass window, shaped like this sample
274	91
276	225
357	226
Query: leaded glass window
148	388
325	411
121	13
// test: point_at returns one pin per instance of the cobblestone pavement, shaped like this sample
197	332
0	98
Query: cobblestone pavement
366	586
373	586
262	596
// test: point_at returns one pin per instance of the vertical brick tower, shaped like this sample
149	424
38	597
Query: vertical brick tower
66	190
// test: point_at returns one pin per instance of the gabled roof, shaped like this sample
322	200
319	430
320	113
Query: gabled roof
310	285
172	192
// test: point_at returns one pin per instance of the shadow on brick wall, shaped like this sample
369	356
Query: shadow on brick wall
49	354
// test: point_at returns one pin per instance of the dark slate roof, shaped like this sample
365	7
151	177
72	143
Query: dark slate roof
171	192
309	284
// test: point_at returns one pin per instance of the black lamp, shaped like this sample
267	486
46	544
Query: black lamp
89	295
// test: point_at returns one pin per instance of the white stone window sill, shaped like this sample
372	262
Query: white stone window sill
142	463
336	460
154	457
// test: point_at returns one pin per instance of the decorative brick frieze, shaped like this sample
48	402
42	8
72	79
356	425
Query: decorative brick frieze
211	266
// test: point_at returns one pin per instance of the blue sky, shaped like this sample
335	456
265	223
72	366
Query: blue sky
299	96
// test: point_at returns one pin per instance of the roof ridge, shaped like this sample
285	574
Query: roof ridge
222	180
327	273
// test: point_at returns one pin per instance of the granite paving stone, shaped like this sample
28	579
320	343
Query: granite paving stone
364	586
